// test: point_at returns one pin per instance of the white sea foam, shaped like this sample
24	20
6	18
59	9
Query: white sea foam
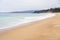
12	20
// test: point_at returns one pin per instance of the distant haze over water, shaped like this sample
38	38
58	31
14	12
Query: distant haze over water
20	5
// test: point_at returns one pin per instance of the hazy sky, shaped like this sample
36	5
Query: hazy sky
13	5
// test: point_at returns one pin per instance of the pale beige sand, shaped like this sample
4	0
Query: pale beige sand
48	29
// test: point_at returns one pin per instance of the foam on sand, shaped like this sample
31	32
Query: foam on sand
26	19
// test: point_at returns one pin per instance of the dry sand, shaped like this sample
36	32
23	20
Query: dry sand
48	29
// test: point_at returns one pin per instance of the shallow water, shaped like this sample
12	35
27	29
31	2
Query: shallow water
8	20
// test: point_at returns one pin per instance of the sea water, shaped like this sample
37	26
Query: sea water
9	20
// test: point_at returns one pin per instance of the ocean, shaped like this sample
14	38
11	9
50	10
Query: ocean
10	20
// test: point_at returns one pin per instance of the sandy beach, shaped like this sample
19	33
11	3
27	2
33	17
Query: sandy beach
47	29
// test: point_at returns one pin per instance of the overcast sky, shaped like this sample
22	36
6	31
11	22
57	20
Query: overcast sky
13	5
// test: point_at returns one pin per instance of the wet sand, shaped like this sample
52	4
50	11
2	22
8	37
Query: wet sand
47	29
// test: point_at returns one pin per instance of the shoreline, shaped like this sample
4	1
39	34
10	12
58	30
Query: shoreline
47	29
34	19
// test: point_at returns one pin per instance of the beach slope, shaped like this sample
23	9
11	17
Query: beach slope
47	29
